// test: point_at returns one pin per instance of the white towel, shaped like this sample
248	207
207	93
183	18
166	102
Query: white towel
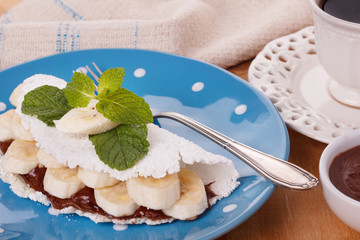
221	32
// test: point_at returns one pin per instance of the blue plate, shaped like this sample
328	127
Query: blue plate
199	90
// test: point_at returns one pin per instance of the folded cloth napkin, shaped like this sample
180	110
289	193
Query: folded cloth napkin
222	32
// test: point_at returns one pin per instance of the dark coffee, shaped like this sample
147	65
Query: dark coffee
348	10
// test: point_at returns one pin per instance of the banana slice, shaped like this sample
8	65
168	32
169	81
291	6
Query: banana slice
62	182
48	160
5	123
154	193
94	179
85	120
193	200
115	200
18	130
20	157
15	95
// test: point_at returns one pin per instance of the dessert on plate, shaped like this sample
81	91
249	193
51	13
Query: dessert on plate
92	149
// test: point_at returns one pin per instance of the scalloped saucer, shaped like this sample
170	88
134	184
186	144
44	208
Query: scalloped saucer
288	72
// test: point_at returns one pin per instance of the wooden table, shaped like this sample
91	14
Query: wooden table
288	214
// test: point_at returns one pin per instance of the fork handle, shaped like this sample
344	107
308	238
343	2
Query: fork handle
276	170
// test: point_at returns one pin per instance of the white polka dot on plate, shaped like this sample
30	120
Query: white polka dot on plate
229	208
120	227
241	109
140	72
2	230
2	106
197	87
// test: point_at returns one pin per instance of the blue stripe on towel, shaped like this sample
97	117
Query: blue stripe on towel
58	37
69	10
65	37
68	37
7	18
74	37
136	33
77	38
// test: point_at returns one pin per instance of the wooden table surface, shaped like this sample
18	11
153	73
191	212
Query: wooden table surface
288	214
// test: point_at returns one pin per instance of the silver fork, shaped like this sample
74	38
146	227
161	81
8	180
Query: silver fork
278	171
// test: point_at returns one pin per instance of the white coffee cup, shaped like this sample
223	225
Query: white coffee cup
338	49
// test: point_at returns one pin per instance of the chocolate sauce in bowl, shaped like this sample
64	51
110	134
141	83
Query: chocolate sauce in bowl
344	172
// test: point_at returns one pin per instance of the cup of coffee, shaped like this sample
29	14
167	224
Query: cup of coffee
337	39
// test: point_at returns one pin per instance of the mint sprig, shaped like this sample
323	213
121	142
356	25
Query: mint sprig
125	107
80	90
115	102
110	81
121	147
47	103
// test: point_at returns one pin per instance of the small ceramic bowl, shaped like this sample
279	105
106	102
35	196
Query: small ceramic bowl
346	208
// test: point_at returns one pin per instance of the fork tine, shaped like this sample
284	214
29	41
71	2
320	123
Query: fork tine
92	73
97	68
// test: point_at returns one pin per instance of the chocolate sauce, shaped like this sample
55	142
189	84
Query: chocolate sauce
84	199
209	193
344	172
35	179
5	145
348	10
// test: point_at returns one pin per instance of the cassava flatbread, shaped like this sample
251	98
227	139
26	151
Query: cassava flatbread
167	154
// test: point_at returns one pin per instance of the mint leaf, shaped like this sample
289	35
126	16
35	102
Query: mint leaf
121	147
115	102
125	107
110	81
47	103
80	90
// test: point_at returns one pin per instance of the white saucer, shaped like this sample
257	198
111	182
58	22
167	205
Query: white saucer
288	72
